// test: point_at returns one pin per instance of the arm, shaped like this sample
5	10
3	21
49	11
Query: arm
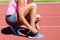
20	12
21	16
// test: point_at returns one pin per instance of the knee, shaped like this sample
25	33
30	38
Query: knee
37	18
34	5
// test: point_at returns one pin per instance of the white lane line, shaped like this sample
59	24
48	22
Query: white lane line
47	2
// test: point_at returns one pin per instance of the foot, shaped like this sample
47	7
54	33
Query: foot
19	32
36	36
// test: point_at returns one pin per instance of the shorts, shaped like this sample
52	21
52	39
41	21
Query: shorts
12	19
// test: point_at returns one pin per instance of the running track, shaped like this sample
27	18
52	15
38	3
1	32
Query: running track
49	23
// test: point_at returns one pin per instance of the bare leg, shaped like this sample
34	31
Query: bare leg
33	16
25	9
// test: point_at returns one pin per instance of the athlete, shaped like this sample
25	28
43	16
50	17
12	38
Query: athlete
23	12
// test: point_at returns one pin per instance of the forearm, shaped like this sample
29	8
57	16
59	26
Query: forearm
27	24
24	21
21	16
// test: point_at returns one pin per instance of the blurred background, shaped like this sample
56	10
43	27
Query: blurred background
7	1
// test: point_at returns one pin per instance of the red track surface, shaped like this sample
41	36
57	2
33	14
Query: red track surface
50	22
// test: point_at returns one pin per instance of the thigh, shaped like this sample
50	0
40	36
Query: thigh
27	8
